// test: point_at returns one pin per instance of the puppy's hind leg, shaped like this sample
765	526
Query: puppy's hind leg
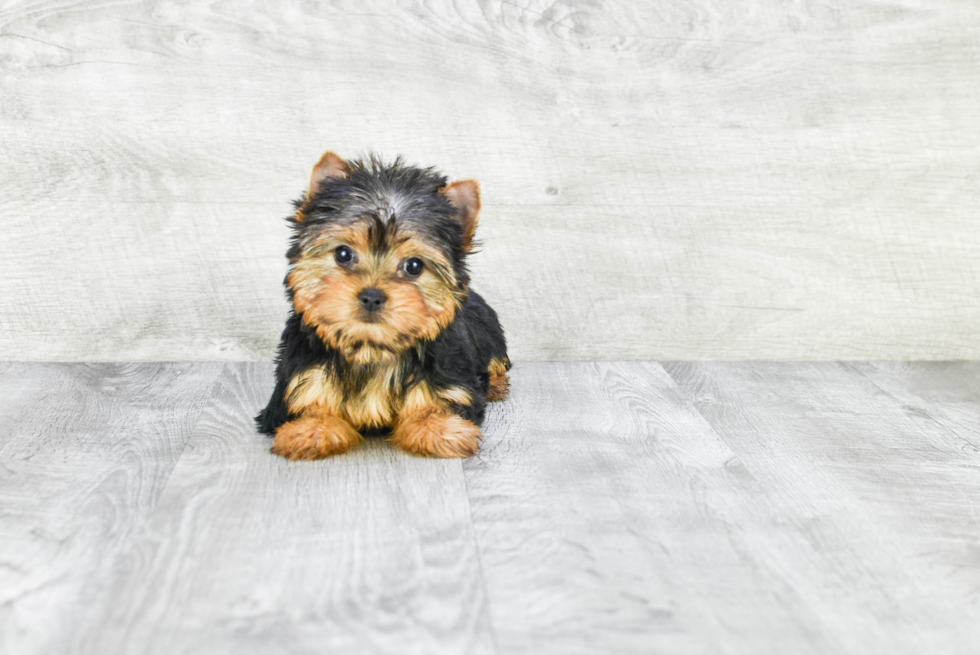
499	387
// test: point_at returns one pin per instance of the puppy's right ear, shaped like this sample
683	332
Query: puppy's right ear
464	195
331	165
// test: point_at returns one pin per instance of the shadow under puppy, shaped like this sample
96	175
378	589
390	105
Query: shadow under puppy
384	333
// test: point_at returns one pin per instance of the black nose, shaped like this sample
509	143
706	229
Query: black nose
372	299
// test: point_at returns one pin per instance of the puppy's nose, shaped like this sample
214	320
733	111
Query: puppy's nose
372	299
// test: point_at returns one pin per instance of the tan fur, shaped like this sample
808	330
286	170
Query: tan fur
325	294
314	388
422	397
499	387
331	165
426	427
436	433
370	353
456	395
314	391
498	366
314	437
377	403
412	247
464	195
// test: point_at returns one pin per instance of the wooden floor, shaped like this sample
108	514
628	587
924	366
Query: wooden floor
614	508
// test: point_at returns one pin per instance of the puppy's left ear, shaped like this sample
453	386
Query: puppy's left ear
464	195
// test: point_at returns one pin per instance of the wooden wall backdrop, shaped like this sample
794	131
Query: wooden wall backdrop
663	180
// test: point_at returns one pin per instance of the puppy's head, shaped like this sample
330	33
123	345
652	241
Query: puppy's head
378	254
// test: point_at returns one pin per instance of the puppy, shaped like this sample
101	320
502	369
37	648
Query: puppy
385	335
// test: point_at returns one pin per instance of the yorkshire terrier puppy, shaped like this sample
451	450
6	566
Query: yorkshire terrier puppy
384	333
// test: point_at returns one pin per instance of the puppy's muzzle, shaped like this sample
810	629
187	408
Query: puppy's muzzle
372	300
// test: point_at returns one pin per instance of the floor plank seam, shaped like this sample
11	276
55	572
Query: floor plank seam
479	559
898	401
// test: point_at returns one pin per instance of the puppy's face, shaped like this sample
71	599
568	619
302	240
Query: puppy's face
378	256
372	290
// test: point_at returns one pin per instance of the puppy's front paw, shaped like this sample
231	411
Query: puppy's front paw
437	435
314	438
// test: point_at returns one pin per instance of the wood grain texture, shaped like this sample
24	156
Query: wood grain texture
85	451
612	519
697	180
945	393
369	552
748	508
882	491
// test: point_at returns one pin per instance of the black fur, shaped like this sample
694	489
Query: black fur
459	357
384	194
409	197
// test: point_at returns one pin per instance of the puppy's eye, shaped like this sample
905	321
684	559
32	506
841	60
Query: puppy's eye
414	266
343	255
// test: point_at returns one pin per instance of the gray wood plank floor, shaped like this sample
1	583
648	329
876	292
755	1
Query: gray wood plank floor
620	508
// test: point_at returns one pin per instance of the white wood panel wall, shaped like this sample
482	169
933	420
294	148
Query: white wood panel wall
706	179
